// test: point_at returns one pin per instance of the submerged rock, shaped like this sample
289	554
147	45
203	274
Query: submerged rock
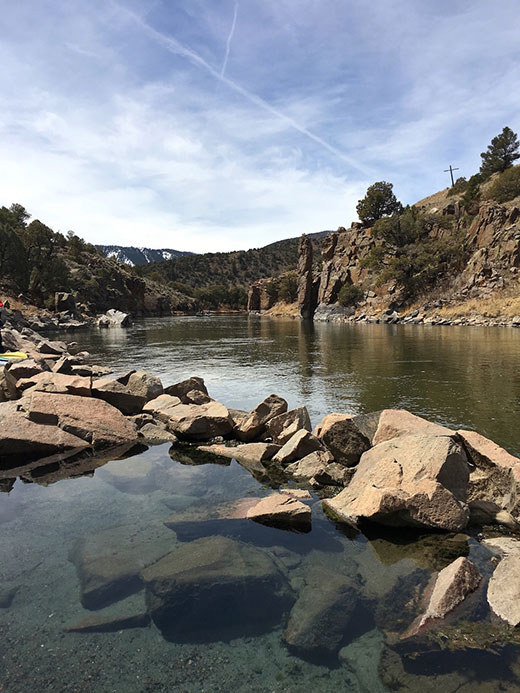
109	562
128	613
215	589
249	455
320	617
7	594
416	480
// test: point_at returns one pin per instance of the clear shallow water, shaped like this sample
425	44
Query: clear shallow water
457	376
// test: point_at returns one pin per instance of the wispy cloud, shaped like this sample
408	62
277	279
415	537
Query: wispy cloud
228	42
210	126
174	46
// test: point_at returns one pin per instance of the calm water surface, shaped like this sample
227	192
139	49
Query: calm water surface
462	377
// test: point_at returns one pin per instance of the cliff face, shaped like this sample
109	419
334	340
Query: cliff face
491	251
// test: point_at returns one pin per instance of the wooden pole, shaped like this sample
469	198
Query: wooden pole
450	170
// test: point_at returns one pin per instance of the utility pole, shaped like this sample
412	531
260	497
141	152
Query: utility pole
450	170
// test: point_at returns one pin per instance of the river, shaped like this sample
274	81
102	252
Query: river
460	377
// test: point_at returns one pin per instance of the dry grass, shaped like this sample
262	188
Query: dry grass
499	305
283	309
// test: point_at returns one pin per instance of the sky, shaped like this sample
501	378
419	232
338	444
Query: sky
215	125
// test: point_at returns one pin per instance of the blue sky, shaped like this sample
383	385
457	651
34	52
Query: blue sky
212	125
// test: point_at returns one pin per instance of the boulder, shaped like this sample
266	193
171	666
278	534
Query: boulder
20	370
398	422
191	421
340	434
65	364
185	388
496	474
129	392
503	593
155	435
56	383
51	348
215	588
114	318
22	440
416	480
319	619
452	586
109	561
282	510
258	417
300	445
319	469
284	426
92	420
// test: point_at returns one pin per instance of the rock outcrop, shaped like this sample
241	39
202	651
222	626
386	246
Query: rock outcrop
306	293
417	480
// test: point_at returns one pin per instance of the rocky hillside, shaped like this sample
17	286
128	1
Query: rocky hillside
441	261
36	263
130	255
234	269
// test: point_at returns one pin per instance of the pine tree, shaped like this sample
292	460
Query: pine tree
501	153
379	201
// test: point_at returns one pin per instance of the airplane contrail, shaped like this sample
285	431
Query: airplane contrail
228	43
177	48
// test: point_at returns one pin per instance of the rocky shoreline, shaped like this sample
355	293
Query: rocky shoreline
63	417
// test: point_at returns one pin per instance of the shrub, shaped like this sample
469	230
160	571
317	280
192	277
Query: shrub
501	153
507	185
459	187
350	295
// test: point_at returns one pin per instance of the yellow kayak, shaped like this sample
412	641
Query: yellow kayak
10	355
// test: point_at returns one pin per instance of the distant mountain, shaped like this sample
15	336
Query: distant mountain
129	255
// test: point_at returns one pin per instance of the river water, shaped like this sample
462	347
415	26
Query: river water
460	377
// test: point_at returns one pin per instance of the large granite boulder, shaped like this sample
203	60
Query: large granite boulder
399	422
254	425
250	455
340	434
19	370
215	588
319	619
22	440
416	480
191	421
130	392
284	426
89	419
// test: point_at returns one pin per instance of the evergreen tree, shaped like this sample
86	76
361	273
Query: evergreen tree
379	201
501	153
